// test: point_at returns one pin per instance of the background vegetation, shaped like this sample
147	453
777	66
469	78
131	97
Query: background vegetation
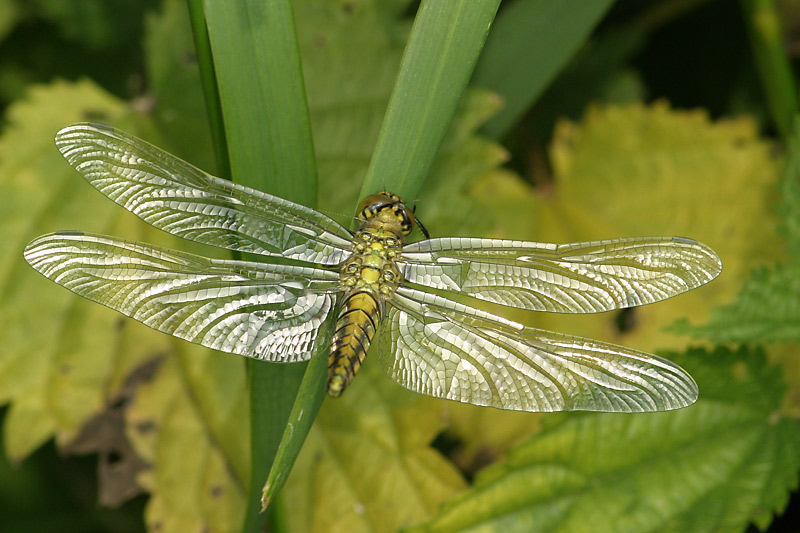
582	120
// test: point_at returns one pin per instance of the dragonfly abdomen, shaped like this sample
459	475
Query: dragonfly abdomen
355	328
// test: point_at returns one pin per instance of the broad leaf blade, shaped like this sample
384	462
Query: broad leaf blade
789	206
367	464
636	170
38	319
704	468
192	485
628	170
766	310
527	47
69	362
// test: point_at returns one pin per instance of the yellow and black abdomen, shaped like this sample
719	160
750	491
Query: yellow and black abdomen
358	318
370	277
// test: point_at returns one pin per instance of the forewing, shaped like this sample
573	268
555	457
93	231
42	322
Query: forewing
437	347
586	277
174	196
259	310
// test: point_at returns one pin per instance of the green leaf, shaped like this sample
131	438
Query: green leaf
717	466
208	80
262	94
192	485
98	24
789	205
448	203
268	133
764	25
310	395
367	464
9	13
528	45
442	49
174	78
766	310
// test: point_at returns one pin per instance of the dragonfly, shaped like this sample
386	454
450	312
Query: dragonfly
401	301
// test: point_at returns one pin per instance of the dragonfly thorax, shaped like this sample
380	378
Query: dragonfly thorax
372	266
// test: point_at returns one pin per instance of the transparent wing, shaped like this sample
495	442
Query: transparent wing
586	277
265	311
174	196
438	347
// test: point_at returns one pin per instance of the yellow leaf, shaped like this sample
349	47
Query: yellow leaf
626	171
66	362
49	366
640	170
367	464
192	485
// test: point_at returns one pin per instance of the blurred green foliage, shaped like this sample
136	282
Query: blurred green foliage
623	119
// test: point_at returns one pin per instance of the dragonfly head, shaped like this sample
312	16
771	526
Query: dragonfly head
389	209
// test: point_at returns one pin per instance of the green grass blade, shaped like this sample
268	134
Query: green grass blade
263	96
208	78
528	46
309	400
773	64
273	394
442	49
268	131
